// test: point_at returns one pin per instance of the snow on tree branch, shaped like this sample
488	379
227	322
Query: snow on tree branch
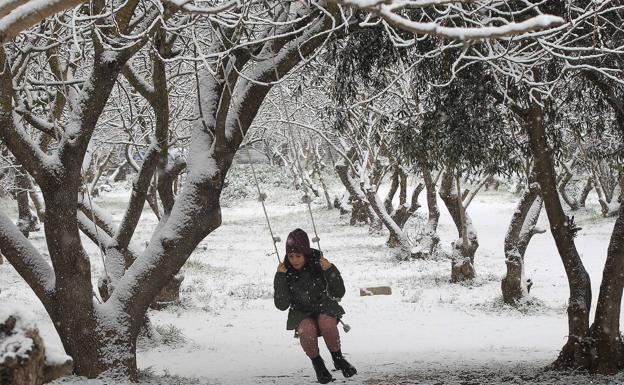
26	259
185	6
18	15
387	11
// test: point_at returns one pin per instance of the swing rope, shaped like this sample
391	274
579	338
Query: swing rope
306	197
261	197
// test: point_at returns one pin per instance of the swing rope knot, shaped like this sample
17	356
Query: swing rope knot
306	199
262	197
316	239
276	239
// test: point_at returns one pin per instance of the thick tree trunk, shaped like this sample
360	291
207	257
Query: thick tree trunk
100	346
169	294
359	202
608	179
396	232
87	335
359	211
608	350
607	357
405	211
574	353
608	207
428	242
342	203
515	287
464	248
462	258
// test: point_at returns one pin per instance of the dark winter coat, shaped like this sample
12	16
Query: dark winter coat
309	291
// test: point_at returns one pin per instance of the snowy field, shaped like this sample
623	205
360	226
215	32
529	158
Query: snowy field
226	329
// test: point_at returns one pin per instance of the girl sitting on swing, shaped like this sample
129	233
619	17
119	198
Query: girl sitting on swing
308	283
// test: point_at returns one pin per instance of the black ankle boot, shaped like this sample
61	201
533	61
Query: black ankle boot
341	364
322	374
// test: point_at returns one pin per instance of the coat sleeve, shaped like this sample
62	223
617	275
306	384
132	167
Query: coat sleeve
335	285
281	296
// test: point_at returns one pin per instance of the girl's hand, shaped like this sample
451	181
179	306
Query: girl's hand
281	268
325	264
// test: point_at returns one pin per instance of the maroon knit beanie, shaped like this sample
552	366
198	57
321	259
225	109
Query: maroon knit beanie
298	242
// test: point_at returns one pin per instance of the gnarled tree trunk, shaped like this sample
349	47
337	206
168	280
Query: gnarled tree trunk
361	207
575	352
404	212
395	231
427	244
464	248
515	286
567	175
607	355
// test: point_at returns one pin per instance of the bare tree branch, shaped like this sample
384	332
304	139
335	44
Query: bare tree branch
19	15
26	260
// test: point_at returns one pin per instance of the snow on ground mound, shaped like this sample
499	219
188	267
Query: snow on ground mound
15	344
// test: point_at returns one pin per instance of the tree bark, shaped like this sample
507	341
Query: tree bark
585	192
405	211
608	349
515	287
574	353
464	248
608	208
27	221
428	242
402	242
318	170
394	186
565	180
359	200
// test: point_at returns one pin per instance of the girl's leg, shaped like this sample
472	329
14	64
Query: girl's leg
308	337
329	330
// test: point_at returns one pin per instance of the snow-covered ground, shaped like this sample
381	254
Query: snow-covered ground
429	331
